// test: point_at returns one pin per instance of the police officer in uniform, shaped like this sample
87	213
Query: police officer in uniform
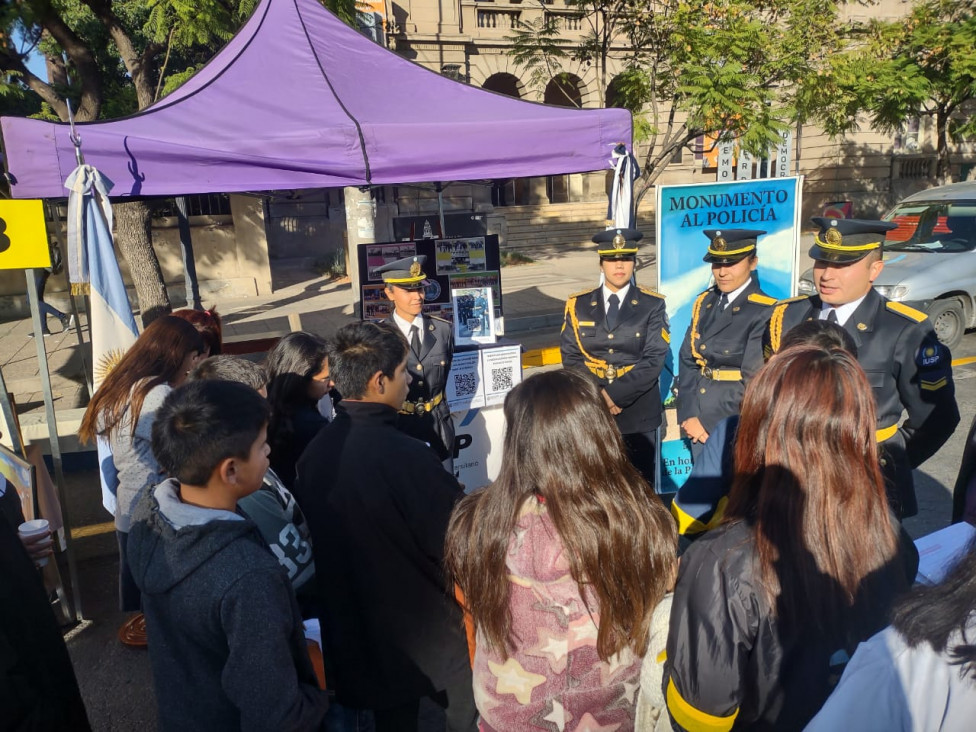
723	346
619	333
425	415
909	370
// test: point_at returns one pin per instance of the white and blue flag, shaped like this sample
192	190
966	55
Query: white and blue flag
93	269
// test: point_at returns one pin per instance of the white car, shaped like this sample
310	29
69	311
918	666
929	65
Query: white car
930	259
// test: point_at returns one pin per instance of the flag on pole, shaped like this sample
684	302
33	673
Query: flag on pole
93	269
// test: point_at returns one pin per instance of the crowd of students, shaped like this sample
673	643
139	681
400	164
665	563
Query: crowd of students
248	500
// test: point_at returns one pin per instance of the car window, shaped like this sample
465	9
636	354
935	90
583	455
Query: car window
940	227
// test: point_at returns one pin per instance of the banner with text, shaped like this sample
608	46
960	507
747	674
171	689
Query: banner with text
683	213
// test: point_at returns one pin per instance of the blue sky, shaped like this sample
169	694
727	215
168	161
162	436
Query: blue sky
35	62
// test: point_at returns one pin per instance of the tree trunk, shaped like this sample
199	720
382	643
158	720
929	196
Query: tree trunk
133	232
943	169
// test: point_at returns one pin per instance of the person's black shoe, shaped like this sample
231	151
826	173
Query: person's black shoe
67	321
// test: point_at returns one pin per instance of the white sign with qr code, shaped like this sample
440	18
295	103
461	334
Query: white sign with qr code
502	369
465	382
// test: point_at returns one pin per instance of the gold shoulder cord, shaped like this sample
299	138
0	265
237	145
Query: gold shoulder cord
776	326
695	314
571	308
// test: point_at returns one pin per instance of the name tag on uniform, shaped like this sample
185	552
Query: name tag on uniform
587	323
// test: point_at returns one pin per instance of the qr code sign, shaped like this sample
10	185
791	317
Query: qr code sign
465	384
501	379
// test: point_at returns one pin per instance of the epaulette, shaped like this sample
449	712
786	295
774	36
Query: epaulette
648	291
580	294
762	299
434	317
911	313
792	299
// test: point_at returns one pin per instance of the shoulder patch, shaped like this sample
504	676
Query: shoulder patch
911	313
762	299
793	299
648	291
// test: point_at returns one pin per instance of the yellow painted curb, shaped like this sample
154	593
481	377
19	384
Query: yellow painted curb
541	357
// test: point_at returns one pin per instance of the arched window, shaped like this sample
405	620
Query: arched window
503	83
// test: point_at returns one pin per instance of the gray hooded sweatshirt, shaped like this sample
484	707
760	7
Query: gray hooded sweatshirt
225	635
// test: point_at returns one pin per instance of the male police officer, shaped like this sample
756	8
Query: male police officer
619	332
906	365
723	346
425	414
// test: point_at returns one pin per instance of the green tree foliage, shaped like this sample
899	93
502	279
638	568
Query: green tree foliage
920	66
690	68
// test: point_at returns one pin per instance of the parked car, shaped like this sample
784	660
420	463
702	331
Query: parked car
930	259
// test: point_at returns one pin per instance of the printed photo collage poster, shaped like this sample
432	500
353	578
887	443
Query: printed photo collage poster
683	214
452	264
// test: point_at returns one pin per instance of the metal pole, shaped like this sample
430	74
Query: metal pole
186	250
52	429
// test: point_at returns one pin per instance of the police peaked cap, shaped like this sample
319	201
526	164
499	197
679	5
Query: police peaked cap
407	272
623	243
729	246
847	240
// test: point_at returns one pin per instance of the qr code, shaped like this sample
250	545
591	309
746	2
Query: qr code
501	379
465	384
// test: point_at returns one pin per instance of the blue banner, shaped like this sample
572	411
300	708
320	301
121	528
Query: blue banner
683	213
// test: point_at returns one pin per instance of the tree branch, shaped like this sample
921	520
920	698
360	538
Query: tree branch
138	65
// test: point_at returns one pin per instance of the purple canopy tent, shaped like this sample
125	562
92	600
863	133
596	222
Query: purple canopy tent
297	99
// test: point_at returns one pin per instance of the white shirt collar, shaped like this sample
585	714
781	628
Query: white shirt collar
738	291
621	294
405	326
844	312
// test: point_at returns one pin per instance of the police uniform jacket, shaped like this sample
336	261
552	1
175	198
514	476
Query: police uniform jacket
732	664
909	371
637	343
725	342
429	371
377	503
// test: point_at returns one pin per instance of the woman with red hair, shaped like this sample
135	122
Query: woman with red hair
808	562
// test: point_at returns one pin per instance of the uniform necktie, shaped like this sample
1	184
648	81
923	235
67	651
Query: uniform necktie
612	312
415	340
832	316
724	301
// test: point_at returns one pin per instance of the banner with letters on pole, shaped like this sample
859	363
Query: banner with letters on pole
683	213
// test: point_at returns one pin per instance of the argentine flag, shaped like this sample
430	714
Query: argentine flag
94	270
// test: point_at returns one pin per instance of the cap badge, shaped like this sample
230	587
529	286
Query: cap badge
834	236
415	269
719	244
619	241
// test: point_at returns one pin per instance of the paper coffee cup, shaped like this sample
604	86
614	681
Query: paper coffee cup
34	528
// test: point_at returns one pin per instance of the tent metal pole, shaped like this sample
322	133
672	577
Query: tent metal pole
74	606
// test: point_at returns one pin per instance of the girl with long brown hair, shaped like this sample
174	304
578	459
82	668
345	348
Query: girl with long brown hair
561	561
122	411
769	606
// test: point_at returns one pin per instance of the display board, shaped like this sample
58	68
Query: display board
452	264
684	212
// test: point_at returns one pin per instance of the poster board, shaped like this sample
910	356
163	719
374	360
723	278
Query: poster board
466	262
23	235
684	212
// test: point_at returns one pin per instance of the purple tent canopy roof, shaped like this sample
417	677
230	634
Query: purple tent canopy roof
297	99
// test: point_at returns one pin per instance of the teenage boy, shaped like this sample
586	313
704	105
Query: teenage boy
378	503
272	507
228	650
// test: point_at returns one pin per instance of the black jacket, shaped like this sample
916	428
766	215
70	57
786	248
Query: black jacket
909	370
227	646
429	373
38	690
378	502
639	340
730	660
729	339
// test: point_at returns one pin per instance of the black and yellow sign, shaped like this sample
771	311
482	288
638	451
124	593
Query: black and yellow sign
23	235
